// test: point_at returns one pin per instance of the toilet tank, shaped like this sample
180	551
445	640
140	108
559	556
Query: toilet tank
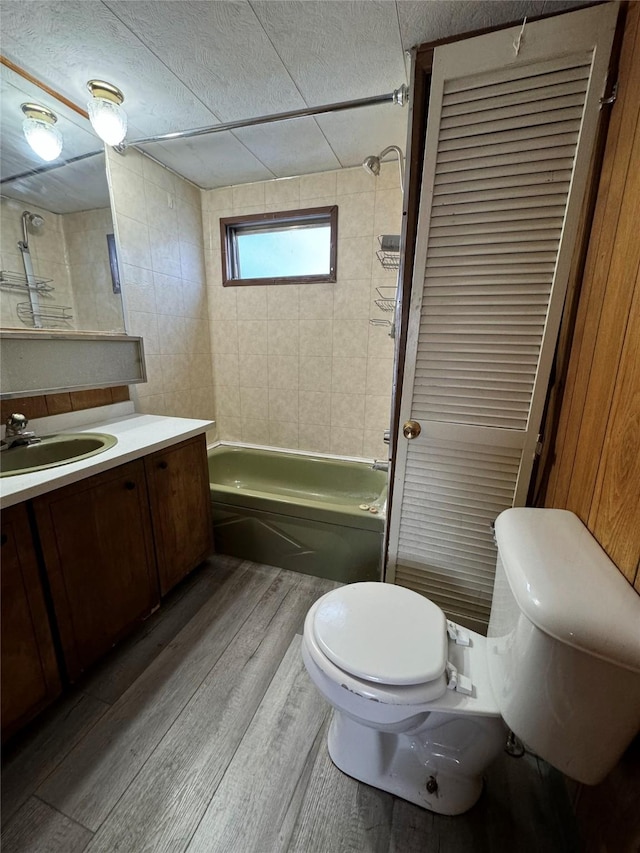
564	643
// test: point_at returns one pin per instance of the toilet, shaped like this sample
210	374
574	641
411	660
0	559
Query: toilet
422	706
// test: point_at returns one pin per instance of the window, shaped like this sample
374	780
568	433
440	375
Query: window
288	247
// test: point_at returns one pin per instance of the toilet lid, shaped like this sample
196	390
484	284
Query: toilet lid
383	633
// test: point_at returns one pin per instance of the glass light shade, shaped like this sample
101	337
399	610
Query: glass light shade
43	137
109	120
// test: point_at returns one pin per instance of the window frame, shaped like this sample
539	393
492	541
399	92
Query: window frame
284	217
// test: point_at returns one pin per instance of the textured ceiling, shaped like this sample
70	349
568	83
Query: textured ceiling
184	64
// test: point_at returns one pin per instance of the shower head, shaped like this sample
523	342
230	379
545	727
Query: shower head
33	219
371	164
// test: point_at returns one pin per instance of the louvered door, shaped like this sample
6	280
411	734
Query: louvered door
509	138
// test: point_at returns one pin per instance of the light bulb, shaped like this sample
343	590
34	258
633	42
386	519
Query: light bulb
108	118
40	133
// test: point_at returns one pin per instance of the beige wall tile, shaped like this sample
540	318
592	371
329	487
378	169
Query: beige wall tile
377	412
229	429
283	404
322	184
228	400
284	192
314	407
225	369
315	438
350	338
252	302
373	446
316	301
255	431
254	403
347	410
283	372
248	195
315	373
348	375
254	372
316	337
306	353
346	442
252	337
283	337
283	434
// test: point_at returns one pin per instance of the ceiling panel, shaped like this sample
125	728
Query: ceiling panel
219	50
336	51
212	161
295	147
67	42
355	134
76	186
423	21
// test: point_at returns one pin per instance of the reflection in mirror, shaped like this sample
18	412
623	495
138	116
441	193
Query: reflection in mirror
59	269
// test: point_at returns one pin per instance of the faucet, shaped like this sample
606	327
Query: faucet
16	434
380	465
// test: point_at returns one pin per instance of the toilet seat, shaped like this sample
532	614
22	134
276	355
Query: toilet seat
382	633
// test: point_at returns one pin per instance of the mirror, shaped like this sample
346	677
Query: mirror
57	257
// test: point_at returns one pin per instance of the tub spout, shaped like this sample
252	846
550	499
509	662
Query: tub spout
380	465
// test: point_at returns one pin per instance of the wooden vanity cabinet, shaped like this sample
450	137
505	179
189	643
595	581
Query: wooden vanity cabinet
180	508
30	678
97	545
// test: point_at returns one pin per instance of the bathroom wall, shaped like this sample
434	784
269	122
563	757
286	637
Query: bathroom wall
97	307
158	223
300	366
48	254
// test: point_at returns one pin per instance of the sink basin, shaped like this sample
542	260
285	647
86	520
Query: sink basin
53	450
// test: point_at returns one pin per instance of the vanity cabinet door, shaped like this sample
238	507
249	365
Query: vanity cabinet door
98	550
178	480
30	678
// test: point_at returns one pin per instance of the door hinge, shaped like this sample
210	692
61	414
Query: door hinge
612	97
539	446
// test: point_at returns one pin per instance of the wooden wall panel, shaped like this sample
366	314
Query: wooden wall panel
58	404
595	470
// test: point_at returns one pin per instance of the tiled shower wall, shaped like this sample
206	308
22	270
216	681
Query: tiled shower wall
300	366
48	255
159	227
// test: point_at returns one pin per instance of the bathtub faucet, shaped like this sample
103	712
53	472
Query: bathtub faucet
380	465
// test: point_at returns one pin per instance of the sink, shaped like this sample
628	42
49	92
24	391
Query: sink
53	450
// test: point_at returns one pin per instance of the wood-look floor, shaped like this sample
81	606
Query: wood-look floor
203	733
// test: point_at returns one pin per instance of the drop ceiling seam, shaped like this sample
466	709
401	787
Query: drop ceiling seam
189	88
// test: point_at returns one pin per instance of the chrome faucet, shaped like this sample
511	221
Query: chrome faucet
16	434
380	465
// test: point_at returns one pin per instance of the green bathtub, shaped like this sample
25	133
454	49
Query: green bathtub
298	512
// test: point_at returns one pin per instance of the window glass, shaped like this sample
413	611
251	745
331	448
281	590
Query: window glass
293	246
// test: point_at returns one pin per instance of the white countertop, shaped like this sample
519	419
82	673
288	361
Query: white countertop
137	435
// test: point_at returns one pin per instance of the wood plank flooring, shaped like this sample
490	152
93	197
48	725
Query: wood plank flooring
203	733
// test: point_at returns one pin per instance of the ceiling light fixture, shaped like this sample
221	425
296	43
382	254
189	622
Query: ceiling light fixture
108	118
40	133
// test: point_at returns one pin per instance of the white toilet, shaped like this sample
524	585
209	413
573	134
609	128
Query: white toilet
420	704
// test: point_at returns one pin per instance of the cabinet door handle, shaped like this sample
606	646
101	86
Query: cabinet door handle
3	539
163	465
129	485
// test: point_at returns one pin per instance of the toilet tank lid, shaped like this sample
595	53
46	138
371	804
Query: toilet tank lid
567	586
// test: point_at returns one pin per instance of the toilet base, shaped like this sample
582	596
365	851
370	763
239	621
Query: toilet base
438	766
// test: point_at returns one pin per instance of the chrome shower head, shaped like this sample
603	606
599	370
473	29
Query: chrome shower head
32	219
371	164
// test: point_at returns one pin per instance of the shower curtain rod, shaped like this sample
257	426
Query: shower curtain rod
398	96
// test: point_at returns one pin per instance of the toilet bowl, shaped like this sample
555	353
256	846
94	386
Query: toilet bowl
415	738
422	706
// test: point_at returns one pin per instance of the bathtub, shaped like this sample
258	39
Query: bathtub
298	512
